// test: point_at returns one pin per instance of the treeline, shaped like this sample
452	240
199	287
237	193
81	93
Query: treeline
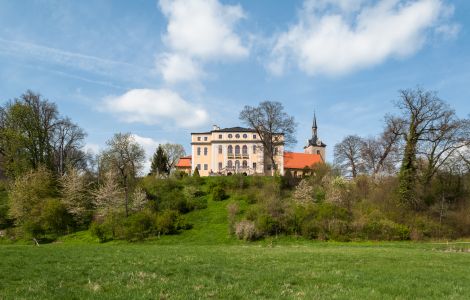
51	186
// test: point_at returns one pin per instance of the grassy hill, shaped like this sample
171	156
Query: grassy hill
206	262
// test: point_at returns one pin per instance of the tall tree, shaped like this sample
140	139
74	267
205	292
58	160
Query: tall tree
32	134
348	154
125	157
421	112
173	152
68	143
159	165
273	125
75	195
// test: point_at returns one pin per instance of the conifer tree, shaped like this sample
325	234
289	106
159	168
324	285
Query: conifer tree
159	165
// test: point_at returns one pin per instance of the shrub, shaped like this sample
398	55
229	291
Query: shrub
54	217
246	230
267	225
139	225
218	194
232	211
169	222
99	231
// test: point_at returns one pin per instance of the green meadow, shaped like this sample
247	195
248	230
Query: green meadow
205	262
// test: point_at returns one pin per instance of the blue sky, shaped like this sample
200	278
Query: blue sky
163	69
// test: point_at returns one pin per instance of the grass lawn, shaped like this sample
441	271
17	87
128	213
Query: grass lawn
306	270
205	262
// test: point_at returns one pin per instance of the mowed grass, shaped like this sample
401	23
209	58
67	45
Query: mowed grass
310	271
205	262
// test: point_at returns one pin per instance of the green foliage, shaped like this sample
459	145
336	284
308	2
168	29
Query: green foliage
218	194
54	217
196	173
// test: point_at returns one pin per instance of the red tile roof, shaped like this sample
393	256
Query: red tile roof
184	162
294	160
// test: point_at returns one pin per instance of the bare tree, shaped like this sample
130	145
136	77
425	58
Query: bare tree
380	153
348	154
125	156
448	135
173	152
67	144
422	111
272	124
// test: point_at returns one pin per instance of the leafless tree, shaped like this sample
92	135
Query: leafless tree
173	152
380	154
125	157
423	113
68	144
348	154
272	124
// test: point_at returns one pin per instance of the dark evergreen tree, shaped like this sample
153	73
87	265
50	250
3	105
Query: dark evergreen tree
159	165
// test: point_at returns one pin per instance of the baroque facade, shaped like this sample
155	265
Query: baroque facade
240	150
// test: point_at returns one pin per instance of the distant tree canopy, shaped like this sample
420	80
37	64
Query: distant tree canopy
33	134
269	120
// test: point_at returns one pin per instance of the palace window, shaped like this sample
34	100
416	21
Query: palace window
220	149
220	136
205	138
245	136
254	149
237	136
230	149
198	138
254	136
254	166
205	150
230	136
205	167
220	166
237	149
237	164
198	166
198	150
245	149
245	164
229	164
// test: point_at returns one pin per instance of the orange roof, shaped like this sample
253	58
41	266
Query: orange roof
294	160
184	162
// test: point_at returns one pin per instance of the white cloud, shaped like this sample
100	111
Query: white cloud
336	36
199	31
448	31
178	67
151	107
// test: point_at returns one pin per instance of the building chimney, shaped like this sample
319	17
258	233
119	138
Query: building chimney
215	127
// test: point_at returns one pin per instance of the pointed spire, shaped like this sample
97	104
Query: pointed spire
314	120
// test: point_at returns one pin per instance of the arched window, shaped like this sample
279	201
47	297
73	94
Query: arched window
245	164
229	164
220	149
237	149
230	149
245	149
237	164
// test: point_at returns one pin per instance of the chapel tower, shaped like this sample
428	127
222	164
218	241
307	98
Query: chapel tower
315	145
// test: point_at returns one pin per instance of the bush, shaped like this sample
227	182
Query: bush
169	222
246	230
218	194
140	226
99	231
54	217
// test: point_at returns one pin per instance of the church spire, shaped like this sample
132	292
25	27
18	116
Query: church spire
314	126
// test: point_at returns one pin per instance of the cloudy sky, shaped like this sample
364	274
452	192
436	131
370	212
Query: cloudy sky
163	69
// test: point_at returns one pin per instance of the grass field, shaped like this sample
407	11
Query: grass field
205	262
